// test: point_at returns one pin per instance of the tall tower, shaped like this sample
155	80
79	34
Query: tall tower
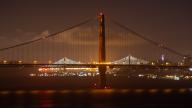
102	49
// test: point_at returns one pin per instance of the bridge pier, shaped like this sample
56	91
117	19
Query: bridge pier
102	70
102	50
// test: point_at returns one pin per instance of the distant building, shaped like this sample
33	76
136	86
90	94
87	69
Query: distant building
187	60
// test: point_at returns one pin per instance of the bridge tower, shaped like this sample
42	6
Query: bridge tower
102	50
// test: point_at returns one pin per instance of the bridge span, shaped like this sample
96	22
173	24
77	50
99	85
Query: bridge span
93	40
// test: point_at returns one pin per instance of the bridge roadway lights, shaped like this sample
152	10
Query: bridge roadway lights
102	49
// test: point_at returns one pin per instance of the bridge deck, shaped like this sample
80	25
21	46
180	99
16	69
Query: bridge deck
142	66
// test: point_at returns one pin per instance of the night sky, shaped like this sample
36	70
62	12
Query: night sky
166	21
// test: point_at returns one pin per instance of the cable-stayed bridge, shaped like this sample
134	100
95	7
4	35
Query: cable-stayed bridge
96	42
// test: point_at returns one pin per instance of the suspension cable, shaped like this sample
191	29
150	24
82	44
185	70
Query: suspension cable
51	35
147	39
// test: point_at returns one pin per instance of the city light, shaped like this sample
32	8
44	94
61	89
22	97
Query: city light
167	63
152	63
174	77
190	69
35	62
4	62
86	69
19	61
140	75
32	75
50	62
163	57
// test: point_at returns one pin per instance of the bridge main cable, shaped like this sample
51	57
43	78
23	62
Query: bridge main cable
148	40
51	35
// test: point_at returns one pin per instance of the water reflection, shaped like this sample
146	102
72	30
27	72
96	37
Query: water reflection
46	100
96	98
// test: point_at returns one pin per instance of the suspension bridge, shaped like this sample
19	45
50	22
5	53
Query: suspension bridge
96	42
